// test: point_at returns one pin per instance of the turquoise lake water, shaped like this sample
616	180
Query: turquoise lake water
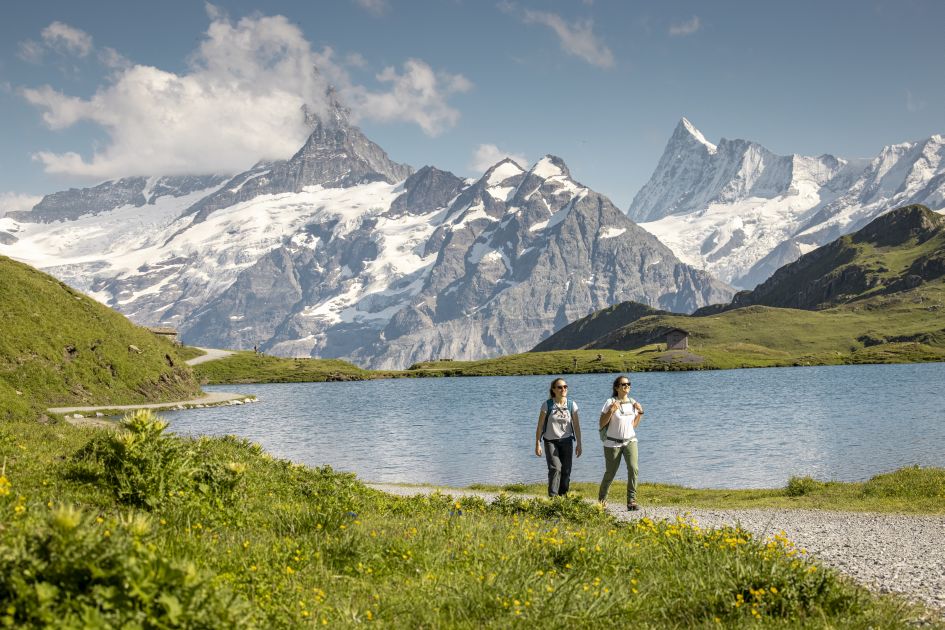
718	429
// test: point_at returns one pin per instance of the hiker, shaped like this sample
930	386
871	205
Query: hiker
558	427
618	422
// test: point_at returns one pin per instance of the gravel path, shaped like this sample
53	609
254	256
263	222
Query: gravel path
211	399
887	553
211	355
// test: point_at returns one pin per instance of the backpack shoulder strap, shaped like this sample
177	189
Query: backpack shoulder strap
548	406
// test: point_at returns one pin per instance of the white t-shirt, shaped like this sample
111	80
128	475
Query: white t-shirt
558	423
620	429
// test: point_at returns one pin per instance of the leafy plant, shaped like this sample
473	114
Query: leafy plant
145	467
73	570
799	486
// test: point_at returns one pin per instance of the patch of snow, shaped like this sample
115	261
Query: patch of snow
503	172
612	232
502	193
546	168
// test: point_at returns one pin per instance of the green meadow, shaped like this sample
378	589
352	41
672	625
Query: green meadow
138	528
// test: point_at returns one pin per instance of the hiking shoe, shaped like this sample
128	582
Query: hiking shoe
632	506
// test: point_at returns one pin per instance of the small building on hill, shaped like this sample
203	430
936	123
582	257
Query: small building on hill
166	332
677	339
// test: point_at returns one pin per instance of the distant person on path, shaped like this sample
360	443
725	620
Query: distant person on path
618	422
558	427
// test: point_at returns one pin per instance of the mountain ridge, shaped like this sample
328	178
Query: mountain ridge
371	268
741	211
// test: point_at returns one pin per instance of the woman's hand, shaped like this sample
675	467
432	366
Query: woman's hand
537	449
577	451
614	407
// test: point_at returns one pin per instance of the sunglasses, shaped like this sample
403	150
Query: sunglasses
623	384
561	386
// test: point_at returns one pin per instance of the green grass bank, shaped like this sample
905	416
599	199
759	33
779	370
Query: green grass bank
141	528
59	347
911	490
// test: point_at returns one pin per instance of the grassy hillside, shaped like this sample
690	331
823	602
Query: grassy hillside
898	250
143	529
59	347
587	329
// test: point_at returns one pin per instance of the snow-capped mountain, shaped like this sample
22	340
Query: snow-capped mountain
332	253
739	211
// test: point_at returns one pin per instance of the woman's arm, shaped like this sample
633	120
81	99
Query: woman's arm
576	421
639	416
541	422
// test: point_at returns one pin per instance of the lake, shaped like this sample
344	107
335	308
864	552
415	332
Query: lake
714	429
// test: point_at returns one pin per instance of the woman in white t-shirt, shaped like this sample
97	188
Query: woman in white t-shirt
620	415
558	427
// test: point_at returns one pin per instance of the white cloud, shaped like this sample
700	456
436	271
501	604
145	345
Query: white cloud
686	28
417	95
376	8
31	51
241	101
61	38
13	202
67	39
111	58
486	155
355	60
576	39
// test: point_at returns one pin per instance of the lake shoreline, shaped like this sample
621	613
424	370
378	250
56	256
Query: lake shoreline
249	368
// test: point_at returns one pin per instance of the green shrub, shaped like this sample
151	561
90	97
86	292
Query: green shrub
75	571
800	486
144	467
912	482
569	508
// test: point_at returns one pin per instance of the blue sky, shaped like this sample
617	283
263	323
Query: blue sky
95	90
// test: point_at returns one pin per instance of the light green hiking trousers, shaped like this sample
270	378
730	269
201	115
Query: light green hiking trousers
612	462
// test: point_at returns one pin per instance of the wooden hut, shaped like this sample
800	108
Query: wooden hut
166	332
677	339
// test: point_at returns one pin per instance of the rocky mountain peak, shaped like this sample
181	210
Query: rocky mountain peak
550	166
336	154
501	171
686	133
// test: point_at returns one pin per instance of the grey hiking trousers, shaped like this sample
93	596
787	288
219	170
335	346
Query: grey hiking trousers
558	454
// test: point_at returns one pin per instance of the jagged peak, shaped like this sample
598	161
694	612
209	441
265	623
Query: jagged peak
501	171
550	166
332	113
686	131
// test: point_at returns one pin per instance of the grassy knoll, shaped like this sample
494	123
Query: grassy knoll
249	367
104	529
910	490
59	347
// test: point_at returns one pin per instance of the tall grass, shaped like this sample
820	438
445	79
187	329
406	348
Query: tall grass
289	546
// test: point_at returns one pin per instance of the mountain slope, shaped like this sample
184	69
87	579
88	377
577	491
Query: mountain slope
741	212
60	347
588	329
507	260
898	250
880	295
